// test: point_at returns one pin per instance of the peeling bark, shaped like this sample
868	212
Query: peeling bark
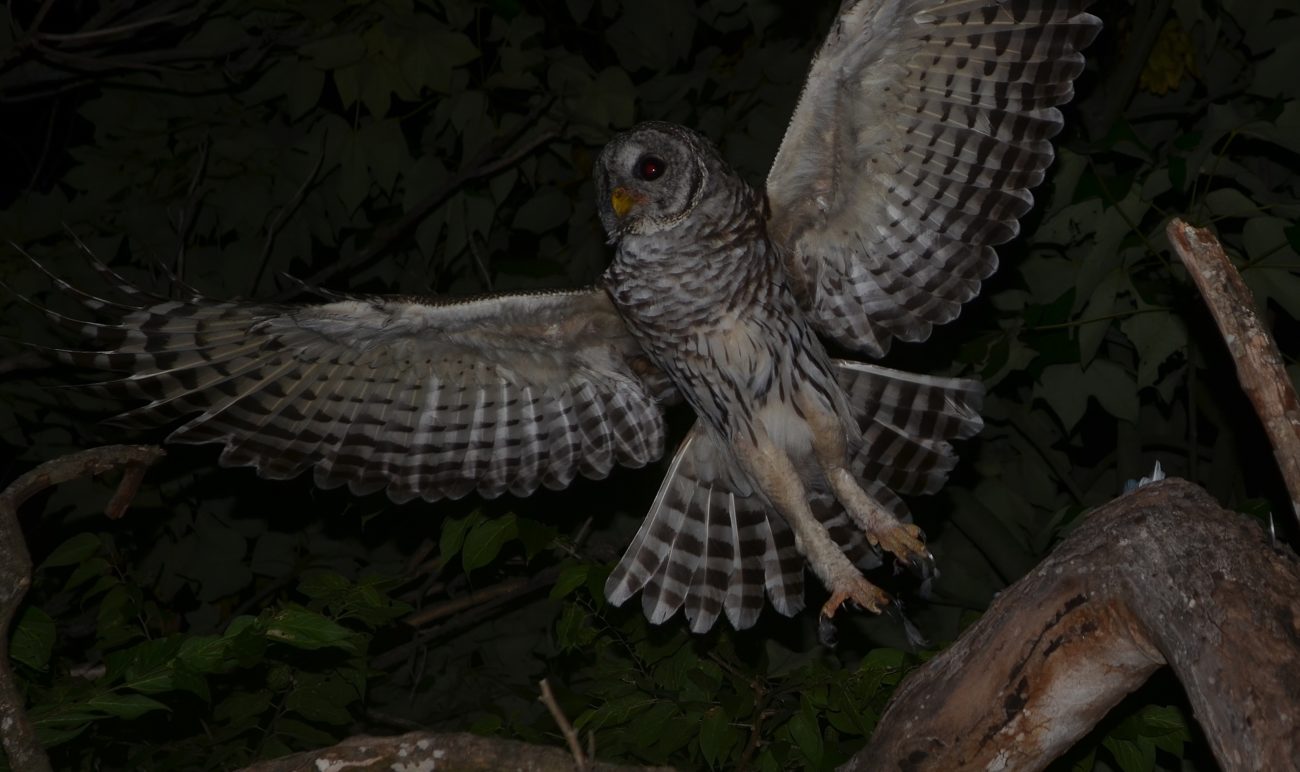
1160	576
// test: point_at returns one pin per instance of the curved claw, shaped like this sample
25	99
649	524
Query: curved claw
922	566
826	631
859	592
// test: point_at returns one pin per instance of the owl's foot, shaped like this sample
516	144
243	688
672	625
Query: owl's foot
907	543
882	529
858	590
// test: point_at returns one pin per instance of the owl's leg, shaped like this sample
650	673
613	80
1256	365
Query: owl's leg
881	527
772	469
905	540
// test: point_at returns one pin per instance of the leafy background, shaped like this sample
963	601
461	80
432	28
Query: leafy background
429	146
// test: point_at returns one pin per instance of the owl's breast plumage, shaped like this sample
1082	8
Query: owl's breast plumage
720	319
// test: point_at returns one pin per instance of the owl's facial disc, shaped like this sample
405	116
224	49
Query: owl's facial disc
649	179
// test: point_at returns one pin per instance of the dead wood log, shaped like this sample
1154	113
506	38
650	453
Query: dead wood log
1160	576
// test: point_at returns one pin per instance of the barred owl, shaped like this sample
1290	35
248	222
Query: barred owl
921	128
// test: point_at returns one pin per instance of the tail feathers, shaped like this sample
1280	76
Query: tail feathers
710	545
906	422
843	531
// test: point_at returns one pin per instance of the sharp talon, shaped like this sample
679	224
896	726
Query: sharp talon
826	631
921	565
857	592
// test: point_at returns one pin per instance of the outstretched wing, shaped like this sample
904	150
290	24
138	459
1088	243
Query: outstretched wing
921	129
421	397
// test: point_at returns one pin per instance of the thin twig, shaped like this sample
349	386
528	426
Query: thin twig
40	17
467	615
570	734
277	222
185	220
507	589
81	37
1259	364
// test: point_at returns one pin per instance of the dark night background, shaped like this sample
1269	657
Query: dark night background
422	146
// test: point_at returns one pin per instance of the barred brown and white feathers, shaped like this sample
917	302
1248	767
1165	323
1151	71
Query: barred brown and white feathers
421	398
711	544
921	129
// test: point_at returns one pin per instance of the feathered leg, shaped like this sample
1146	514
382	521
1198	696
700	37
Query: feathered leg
777	476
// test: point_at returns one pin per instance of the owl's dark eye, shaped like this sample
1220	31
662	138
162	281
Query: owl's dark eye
650	167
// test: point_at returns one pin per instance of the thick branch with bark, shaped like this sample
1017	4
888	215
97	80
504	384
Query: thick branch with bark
1160	576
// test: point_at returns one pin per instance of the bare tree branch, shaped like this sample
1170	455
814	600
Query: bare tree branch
1259	364
16	732
580	760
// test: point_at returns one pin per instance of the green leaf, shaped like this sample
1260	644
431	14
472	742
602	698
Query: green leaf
384	147
33	639
243	706
334	52
1132	755
145	666
56	724
204	653
88	569
1095	313
1229	202
326	586
125	705
571	578
1114	389
453	535
648	728
322	698
304	629
883	659
807	736
1166	727
615	712
535	536
485	541
72	551
1156	336
451	49
713	731
573	630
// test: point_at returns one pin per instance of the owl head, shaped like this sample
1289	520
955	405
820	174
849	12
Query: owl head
651	178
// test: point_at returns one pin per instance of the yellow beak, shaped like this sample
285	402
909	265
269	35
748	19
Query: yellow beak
622	200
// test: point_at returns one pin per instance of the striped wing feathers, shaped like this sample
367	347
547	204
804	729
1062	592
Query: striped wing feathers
922	127
423	399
